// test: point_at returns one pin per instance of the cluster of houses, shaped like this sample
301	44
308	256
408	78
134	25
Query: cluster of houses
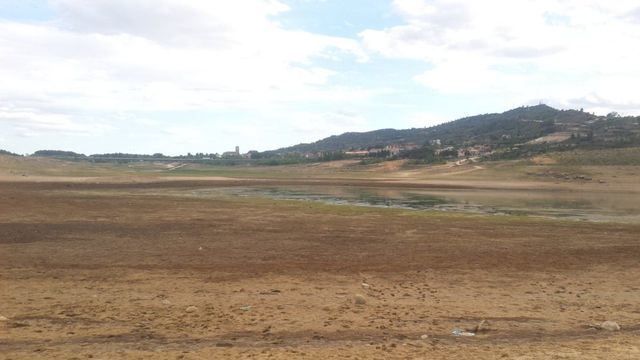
465	152
449	151
237	155
392	150
389	150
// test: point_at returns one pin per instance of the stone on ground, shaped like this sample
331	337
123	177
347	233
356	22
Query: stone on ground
610	326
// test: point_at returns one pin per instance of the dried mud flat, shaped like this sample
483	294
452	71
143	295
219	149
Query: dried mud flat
112	271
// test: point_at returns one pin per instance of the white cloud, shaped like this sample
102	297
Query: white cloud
185	134
194	22
314	126
31	122
521	50
275	130
119	56
212	73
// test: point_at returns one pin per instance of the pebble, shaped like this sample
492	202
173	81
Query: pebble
166	302
2	318
191	309
460	332
360	300
610	326
424	337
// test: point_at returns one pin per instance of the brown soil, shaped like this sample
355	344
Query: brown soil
109	271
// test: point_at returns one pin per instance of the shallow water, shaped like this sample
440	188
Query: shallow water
586	206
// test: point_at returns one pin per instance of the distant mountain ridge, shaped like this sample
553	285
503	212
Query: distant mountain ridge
7	153
517	133
516	126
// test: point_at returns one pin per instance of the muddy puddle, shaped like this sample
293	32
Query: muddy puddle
601	206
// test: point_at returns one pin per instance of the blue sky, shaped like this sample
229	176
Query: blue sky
339	18
25	10
178	76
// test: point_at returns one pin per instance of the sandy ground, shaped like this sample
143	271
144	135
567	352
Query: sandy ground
110	271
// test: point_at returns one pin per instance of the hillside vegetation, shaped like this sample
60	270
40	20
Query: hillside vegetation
614	157
524	132
508	129
7	153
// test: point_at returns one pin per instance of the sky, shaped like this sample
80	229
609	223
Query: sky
179	76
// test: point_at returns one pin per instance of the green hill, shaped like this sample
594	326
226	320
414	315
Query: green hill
8	153
58	154
511	128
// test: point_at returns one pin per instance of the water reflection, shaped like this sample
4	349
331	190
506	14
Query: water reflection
597	206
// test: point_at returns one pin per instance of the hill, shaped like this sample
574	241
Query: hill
58	154
533	125
8	153
517	133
